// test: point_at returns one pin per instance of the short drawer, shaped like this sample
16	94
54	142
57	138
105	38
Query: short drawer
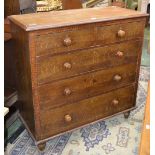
85	86
79	62
63	41
55	121
120	32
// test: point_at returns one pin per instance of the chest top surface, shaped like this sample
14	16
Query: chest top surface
37	21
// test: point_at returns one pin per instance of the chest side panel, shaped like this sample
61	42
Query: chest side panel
24	85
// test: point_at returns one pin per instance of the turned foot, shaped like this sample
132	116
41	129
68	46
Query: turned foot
126	114
41	146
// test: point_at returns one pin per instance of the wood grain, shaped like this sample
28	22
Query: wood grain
24	85
145	137
51	68
87	36
132	30
11	7
57	19
85	111
76	66
85	86
54	42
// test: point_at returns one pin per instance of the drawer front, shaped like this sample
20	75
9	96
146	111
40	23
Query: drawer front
71	116
120	32
58	42
85	86
79	62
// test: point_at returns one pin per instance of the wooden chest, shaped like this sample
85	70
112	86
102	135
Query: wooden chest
76	66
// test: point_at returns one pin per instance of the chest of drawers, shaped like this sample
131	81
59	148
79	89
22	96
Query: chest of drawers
76	67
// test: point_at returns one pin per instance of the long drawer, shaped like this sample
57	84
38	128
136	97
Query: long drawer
79	62
85	86
75	38
70	116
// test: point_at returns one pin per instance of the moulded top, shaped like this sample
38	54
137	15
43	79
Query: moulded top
44	20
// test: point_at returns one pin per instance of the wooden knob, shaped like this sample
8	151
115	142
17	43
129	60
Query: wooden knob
119	53
115	102
67	65
68	118
67	91
117	77
67	41
121	33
